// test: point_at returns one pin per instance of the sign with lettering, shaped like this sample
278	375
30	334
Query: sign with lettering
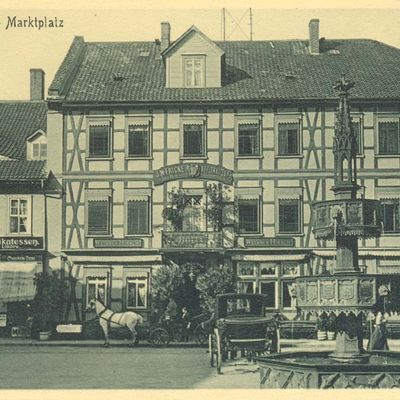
3	320
69	328
21	243
269	242
118	243
193	171
20	257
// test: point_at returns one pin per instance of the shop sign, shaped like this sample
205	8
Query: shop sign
21	243
69	328
269	242
193	171
3	320
118	243
20	257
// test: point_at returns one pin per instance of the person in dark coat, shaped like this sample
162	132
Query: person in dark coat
186	321
378	339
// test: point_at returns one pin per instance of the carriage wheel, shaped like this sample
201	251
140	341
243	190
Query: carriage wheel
211	351
219	353
200	335
159	337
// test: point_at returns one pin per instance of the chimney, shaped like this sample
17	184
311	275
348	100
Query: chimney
313	28
165	35
37	84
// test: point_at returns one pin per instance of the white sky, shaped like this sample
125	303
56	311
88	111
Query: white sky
24	48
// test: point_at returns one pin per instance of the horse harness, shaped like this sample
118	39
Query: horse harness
100	315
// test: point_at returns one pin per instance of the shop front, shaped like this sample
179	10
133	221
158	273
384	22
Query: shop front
20	259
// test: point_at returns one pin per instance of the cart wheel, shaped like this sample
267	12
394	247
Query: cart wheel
211	351
159	337
219	353
200	335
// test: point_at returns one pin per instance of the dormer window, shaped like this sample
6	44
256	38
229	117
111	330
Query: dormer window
194	71
37	146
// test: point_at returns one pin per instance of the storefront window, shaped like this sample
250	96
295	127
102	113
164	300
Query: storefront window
269	290
246	269
268	269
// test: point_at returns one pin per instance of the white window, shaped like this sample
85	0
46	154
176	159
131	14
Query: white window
20	215
39	151
194	71
96	287
136	292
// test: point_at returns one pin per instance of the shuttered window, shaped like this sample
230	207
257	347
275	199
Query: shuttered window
99	141
389	138
288	139
193	140
138	141
249	139
98	217
138	217
289	216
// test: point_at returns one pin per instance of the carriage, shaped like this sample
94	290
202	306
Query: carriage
239	324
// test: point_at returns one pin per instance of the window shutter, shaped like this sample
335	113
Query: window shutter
138	217
98	217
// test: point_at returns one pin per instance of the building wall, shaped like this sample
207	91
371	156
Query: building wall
308	175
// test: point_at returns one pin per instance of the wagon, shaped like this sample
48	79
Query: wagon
240	324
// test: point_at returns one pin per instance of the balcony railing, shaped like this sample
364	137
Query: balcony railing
192	240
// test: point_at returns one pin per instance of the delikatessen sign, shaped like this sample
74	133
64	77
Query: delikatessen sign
21	243
118	243
269	242
193	171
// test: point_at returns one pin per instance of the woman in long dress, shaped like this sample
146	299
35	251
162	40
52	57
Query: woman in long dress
378	339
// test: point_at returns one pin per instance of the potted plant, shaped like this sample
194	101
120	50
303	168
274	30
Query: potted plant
47	302
174	212
321	327
331	327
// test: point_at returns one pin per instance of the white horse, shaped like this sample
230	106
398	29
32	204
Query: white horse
110	319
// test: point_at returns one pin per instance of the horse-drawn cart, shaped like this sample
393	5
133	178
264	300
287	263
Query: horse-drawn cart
240	324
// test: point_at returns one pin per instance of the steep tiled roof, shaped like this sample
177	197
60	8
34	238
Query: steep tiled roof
257	70
18	121
22	169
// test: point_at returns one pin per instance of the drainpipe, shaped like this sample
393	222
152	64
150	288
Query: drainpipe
45	240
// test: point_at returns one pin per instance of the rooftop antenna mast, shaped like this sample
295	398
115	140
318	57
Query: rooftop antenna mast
237	23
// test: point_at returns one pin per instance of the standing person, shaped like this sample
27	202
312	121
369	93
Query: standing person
378	339
186	320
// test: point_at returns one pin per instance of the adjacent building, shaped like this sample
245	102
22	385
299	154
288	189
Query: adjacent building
129	123
23	177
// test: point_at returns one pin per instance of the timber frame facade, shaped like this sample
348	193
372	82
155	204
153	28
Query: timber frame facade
271	178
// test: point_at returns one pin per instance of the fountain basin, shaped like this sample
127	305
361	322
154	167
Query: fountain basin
304	370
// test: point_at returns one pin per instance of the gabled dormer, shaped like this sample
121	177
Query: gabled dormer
36	146
192	61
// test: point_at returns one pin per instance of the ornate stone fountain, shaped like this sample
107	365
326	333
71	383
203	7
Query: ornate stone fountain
348	294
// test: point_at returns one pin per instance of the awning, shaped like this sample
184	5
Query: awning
269	257
16	281
384	253
115	259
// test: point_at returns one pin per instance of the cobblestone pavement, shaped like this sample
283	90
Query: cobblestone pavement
88	365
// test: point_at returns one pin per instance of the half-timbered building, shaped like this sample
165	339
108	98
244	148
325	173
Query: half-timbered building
130	122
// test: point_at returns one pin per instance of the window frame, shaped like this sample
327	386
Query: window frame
196	120
100	121
139	120
248	120
29	218
139	194
258	206
276	297
290	118
382	118
96	279
299	217
137	278
98	195
193	58
396	221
